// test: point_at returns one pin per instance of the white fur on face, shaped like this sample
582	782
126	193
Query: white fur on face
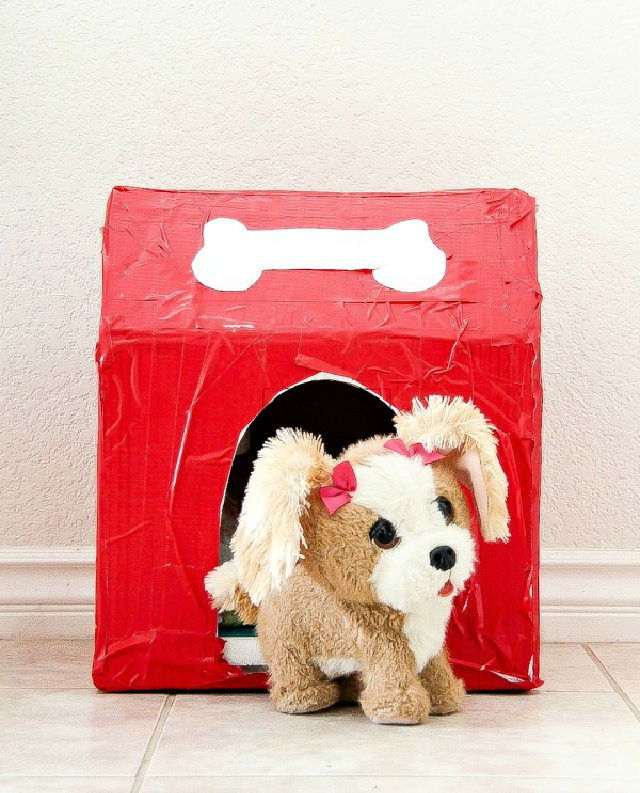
402	490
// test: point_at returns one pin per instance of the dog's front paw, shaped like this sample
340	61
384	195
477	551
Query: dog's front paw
447	699
318	696
410	706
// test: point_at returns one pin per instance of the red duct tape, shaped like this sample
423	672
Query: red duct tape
183	369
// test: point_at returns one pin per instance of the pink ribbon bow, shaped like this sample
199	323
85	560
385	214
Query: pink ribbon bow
339	493
415	450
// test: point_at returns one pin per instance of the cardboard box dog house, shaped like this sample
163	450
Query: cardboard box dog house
227	315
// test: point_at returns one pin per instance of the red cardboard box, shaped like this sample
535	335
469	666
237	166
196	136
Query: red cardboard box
184	369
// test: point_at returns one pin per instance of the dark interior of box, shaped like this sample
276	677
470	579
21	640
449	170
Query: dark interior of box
340	413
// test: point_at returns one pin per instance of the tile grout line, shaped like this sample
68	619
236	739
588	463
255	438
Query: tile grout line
612	681
153	743
358	775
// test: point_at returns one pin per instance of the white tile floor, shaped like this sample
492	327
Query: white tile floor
579	733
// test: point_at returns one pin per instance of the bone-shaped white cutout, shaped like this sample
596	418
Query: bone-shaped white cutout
401	256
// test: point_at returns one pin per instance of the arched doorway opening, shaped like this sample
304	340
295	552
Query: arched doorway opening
340	411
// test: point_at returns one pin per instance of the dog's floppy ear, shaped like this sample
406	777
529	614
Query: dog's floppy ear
451	425
269	538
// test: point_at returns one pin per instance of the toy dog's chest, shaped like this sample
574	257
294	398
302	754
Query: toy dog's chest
424	630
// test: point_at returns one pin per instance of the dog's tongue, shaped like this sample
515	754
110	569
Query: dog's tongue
446	590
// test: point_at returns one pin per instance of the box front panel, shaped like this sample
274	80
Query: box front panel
171	418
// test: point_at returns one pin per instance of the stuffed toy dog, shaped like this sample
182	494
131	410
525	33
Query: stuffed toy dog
349	567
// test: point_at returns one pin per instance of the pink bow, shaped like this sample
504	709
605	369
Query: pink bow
415	450
339	493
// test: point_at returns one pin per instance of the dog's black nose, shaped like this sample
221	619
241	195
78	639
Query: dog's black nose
442	557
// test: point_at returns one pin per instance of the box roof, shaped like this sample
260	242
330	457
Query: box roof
490	288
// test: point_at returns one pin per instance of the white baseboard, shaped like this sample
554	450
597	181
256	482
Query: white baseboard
47	592
586	595
589	595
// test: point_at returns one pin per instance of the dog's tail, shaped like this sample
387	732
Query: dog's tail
227	594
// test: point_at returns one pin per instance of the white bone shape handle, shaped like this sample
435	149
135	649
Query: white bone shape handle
401	256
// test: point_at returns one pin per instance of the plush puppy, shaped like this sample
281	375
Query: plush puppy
349	567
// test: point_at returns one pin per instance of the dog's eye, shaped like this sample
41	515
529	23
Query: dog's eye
383	534
444	505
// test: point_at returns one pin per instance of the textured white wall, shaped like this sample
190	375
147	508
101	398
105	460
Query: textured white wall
337	96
